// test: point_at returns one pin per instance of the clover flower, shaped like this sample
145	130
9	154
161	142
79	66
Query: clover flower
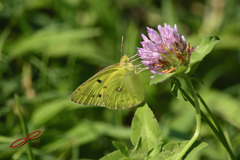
164	53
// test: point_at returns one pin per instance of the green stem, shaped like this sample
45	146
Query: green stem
24	128
205	118
220	135
218	132
198	119
75	152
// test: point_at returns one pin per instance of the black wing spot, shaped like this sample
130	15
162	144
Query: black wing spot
99	95
119	89
99	81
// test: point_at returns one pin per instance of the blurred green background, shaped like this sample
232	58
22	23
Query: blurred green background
48	48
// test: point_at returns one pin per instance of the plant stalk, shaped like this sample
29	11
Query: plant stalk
24	128
217	131
220	135
198	119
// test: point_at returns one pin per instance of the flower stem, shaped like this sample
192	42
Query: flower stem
24	128
198	119
217	131
220	135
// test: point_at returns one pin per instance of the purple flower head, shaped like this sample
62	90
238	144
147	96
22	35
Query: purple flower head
164	53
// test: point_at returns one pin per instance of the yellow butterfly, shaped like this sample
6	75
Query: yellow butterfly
116	87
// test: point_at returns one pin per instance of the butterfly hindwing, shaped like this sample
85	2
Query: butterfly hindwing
116	87
90	92
123	89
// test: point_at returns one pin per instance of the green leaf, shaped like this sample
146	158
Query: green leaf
175	90
89	132
53	39
171	150
197	78
116	155
138	152
123	149
146	127
154	151
204	48
207	44
194	67
158	78
195	148
138	146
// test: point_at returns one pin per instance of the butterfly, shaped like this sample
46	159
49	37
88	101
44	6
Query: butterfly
115	87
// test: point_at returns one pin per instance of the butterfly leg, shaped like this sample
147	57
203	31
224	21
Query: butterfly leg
133	56
142	69
135	59
135	66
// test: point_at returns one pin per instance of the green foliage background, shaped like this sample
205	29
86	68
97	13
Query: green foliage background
48	48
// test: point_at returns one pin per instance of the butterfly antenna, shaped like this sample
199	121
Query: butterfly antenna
133	56
122	45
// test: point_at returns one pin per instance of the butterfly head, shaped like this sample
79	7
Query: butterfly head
125	61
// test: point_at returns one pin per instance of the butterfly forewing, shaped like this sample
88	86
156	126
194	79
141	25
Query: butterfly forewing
123	89
90	92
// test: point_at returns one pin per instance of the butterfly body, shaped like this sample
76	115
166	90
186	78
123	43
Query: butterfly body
116	87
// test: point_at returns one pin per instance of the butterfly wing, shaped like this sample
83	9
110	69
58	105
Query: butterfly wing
90	92
123	89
